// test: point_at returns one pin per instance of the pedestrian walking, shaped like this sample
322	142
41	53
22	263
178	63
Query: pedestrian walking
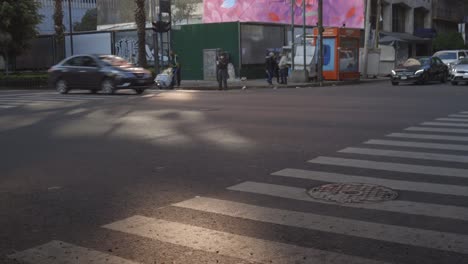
222	66
283	68
270	66
176	69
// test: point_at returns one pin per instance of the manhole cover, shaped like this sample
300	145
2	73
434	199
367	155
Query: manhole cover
352	193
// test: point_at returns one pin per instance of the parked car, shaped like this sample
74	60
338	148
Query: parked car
105	73
420	70
459	72
451	56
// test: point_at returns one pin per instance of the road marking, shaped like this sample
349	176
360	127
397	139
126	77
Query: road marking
383	232
6	106
425	136
443	124
465	116
452	119
406	154
464	112
227	244
390	166
58	252
433	129
395	206
33	100
417	144
394	184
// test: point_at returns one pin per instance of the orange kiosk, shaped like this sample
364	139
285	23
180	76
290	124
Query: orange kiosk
340	53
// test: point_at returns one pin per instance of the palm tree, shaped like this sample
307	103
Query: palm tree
59	30
140	20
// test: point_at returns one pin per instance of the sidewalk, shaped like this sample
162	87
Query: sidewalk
261	83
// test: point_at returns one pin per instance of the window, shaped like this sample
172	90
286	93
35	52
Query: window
461	54
398	18
75	62
89	62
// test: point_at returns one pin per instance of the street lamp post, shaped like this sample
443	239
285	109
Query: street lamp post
71	26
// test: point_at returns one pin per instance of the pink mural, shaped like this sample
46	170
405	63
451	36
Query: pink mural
335	12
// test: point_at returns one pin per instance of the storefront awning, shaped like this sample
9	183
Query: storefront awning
389	38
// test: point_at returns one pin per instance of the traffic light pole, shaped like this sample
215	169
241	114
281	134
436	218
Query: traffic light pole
320	43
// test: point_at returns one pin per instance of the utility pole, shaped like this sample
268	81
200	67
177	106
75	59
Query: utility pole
366	39
293	2
320	43
306	74
71	26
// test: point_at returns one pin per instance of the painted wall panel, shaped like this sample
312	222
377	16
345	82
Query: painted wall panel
336	12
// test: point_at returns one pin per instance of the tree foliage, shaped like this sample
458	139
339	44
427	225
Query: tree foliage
140	20
448	41
88	22
18	22
184	9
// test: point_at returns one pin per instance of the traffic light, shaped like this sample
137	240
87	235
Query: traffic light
161	26
165	6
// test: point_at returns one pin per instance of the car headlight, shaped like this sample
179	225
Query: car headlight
393	72
454	70
418	72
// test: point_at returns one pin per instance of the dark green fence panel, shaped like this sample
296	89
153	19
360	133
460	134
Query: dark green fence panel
190	41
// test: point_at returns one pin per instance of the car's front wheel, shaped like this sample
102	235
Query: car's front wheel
454	83
394	83
139	90
107	86
443	79
61	86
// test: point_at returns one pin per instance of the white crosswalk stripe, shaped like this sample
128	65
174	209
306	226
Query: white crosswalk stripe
433	129
394	184
404	235
58	252
426	136
443	124
22	99
406	154
232	245
390	166
456	115
452	119
413	144
396	206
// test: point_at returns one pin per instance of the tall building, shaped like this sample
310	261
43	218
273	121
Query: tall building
79	8
447	14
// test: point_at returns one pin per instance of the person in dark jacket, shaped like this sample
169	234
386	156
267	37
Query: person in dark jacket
222	66
175	64
270	66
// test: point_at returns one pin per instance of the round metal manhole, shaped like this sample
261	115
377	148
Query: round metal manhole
352	193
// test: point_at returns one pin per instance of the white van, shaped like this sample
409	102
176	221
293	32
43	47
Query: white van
451	56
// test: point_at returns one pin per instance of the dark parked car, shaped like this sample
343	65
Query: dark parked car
106	73
420	70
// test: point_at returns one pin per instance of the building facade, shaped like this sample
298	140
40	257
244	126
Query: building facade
79	8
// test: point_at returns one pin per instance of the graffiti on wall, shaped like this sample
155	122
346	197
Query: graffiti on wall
335	12
127	48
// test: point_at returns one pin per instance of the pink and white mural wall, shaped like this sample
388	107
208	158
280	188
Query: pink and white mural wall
335	12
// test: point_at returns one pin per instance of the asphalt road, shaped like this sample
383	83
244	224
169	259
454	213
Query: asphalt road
223	176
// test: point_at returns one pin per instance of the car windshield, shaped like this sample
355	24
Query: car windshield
447	55
115	61
416	62
463	61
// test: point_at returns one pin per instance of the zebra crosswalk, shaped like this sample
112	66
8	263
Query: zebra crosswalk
428	243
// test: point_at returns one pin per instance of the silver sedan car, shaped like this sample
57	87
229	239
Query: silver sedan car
459	72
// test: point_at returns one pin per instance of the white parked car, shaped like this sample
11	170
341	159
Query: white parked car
449	57
459	72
